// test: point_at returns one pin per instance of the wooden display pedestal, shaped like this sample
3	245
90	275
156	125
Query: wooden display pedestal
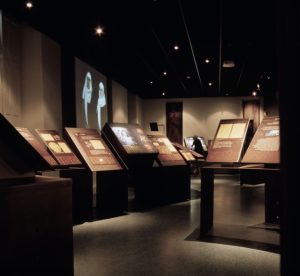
271	178
36	228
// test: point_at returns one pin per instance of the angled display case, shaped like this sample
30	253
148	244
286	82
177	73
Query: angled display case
167	153
173	171
34	210
92	149
229	141
68	166
131	145
111	175
40	148
59	149
265	145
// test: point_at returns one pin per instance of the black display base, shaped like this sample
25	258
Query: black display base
271	178
156	186
82	193
112	193
176	181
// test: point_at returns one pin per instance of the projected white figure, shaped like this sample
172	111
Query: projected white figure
101	103
87	95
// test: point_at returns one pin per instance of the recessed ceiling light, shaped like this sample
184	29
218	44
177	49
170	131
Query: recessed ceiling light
188	77
210	84
254	93
98	31
207	60
258	86
268	77
29	5
165	73
163	93
151	82
227	94
176	47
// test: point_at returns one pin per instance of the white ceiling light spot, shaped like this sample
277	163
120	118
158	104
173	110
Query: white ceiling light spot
98	31
29	5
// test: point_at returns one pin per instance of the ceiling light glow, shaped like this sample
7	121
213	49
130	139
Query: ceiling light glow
29	4
207	60
99	31
210	84
163	93
254	93
188	77
165	73
176	47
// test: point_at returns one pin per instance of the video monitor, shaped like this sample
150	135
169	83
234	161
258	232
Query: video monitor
58	147
229	141
265	145
188	141
93	150
91	96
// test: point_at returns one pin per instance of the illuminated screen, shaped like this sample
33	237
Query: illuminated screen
91	96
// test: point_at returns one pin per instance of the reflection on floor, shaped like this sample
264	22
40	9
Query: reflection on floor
165	240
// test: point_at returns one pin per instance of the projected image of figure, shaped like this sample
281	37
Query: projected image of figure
87	95
101	103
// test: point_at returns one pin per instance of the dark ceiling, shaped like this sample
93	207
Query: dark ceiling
139	36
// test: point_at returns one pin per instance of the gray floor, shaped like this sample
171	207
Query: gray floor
164	240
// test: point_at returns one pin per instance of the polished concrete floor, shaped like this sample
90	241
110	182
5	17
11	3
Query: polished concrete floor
165	240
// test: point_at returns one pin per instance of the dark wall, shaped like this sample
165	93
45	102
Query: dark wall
289	91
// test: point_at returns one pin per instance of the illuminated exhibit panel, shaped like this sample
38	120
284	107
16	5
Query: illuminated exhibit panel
37	145
265	145
58	147
168	155
93	150
229	141
133	139
187	155
91	95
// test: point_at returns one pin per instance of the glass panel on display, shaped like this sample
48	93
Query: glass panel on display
91	96
27	135
58	147
229	141
93	150
130	143
265	145
133	138
168	155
